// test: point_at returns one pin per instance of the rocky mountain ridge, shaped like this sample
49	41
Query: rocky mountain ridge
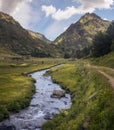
79	35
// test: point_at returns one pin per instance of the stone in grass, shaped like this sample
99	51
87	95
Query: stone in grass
58	94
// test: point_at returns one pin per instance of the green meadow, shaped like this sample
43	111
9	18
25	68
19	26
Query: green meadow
92	98
91	93
16	87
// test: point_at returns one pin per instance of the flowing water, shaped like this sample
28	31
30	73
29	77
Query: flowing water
42	106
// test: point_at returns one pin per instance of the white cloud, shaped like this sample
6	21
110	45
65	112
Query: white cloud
100	4
85	6
105	19
20	10
49	10
8	5
22	13
64	14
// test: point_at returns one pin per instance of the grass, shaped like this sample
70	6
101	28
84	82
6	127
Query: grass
92	97
16	88
91	93
107	60
105	63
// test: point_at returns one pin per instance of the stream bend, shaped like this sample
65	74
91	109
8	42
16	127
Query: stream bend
42	106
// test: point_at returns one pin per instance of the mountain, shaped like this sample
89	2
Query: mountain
38	36
77	39
15	40
74	42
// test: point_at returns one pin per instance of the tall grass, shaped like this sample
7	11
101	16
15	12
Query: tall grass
92	97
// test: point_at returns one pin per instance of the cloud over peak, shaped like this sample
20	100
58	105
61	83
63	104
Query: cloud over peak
84	7
19	9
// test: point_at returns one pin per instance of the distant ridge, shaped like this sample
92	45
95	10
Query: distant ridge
36	35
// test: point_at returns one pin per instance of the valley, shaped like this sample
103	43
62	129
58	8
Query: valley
85	53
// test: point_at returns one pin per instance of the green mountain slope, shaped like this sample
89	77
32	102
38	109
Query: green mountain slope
38	36
15	39
79	35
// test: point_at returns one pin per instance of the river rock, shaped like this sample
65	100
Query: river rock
58	94
7	127
48	116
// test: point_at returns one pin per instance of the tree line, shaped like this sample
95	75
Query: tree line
103	42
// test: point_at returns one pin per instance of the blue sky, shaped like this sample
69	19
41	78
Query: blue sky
52	17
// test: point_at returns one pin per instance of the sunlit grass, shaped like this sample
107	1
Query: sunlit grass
92	99
16	88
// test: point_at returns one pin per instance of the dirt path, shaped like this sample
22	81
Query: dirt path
110	78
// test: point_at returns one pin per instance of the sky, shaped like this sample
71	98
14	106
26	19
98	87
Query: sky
53	17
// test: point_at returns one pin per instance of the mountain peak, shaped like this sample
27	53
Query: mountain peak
80	34
89	17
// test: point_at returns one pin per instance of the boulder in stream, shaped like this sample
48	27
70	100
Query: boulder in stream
58	94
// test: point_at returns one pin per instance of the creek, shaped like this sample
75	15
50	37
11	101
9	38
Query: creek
42	106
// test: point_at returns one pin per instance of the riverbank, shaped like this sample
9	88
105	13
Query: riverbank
42	106
16	88
92	99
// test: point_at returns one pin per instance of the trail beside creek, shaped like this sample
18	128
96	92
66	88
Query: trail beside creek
100	70
42	106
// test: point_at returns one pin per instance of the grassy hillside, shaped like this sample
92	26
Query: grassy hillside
92	97
4	52
15	39
38	36
16	88
107	60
